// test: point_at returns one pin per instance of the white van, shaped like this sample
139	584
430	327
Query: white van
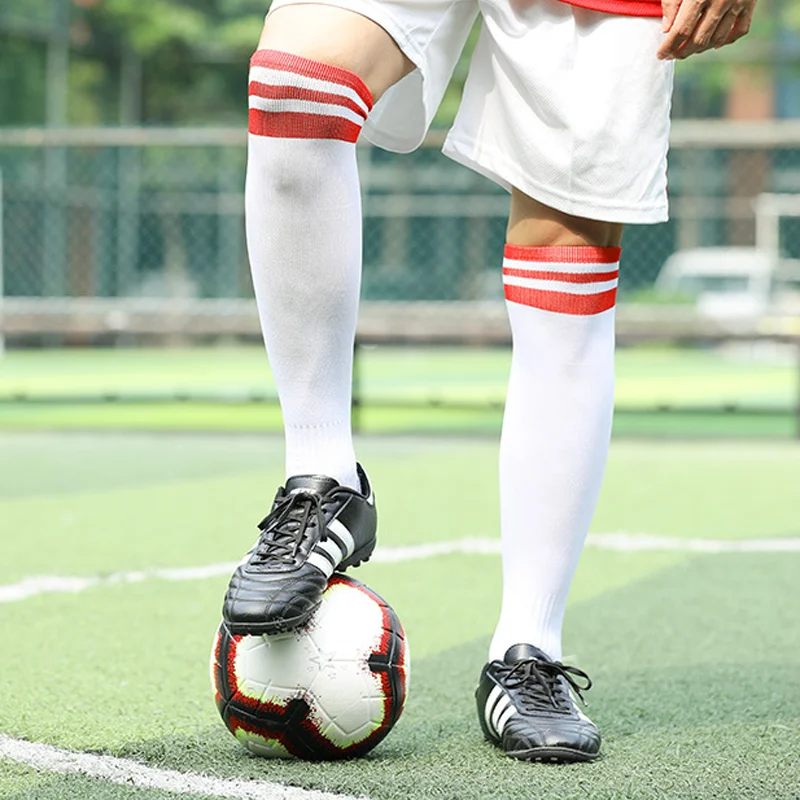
732	282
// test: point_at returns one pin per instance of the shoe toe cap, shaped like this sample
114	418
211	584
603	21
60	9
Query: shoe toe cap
522	734
261	600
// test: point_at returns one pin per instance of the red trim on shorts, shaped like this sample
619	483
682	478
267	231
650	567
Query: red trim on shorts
567	277
292	125
627	8
288	92
561	302
276	59
564	255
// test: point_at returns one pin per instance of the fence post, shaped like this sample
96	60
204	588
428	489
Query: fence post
2	286
129	175
55	267
355	402
797	407
229	227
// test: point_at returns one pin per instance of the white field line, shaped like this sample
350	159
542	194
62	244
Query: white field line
46	758
619	542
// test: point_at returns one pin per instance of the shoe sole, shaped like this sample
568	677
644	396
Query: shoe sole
553	755
270	627
359	557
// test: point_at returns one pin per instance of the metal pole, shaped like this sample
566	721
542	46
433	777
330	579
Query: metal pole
58	65
129	173
54	271
2	289
229	227
768	214
797	407
356	400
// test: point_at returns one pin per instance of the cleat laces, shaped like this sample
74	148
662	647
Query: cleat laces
539	687
287	526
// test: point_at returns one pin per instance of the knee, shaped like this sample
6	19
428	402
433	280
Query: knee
339	38
294	173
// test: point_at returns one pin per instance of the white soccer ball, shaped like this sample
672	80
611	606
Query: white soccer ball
332	689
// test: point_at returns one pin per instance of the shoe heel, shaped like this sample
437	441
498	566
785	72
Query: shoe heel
359	557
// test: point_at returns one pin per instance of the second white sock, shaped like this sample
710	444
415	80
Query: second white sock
556	430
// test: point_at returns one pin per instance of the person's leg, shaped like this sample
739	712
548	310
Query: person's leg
560	276
313	81
571	107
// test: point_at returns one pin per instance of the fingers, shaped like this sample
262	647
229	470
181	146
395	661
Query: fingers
690	12
724	30
742	24
694	26
669	10
706	30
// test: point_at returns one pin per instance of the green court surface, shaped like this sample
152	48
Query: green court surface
659	391
693	645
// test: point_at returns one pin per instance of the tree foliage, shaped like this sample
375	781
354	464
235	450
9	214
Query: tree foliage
185	61
192	53
182	61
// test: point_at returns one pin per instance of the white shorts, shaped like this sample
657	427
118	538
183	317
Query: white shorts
570	106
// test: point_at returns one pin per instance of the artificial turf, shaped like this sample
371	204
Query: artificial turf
688	710
696	659
25	783
646	375
660	391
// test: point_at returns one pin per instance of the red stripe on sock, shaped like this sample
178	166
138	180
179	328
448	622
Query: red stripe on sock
275	59
568	277
291	125
562	302
564	255
286	92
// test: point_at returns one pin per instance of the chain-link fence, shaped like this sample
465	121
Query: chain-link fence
138	213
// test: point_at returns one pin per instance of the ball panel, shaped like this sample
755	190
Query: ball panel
273	669
261	746
390	658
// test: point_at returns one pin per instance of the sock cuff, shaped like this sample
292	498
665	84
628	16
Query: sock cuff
296	98
579	281
564	254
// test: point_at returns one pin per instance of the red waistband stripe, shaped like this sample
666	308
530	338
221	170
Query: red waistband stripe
564	280
293	97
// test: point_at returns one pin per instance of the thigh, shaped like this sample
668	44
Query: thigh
337	36
533	223
404	50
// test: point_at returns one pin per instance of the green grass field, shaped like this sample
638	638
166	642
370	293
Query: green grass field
695	655
710	393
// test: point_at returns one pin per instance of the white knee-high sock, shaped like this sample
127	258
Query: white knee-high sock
303	219
556	430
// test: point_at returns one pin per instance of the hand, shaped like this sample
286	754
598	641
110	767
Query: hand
693	26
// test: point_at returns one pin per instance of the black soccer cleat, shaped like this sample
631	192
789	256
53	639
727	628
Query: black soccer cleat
315	527
526	707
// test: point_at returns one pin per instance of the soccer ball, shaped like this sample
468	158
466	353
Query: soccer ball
331	689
